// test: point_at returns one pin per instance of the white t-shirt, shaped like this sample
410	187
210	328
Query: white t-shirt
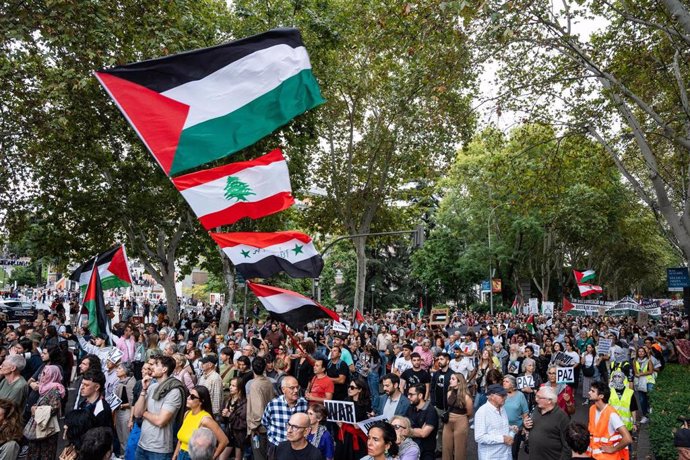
402	365
615	421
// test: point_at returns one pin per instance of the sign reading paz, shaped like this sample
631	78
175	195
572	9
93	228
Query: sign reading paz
340	411
525	381
565	375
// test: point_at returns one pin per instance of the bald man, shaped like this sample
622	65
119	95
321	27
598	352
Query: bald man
278	413
296	445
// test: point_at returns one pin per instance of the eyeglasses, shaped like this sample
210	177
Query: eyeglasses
193	397
551	373
290	427
294	388
399	427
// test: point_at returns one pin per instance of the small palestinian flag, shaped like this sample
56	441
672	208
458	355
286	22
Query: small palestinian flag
196	107
567	305
530	324
113	269
589	289
94	304
262	255
226	194
582	277
289	307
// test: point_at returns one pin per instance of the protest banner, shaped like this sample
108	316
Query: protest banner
439	316
525	381
114	356
562	358
113	401
365	424
604	346
565	375
534	306
343	326
340	411
547	308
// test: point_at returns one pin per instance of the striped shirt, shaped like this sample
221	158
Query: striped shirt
490	425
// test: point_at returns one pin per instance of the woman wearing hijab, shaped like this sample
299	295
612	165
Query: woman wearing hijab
51	391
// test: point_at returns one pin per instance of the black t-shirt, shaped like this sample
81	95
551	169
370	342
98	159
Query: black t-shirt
419	418
284	451
335	371
413	377
439	388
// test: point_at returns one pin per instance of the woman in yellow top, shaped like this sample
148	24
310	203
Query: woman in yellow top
198	415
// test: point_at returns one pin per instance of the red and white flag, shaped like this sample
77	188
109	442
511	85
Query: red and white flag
589	289
226	194
289	307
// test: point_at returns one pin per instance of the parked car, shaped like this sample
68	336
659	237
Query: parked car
15	310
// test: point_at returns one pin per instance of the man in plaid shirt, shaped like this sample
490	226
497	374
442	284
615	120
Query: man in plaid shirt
278	412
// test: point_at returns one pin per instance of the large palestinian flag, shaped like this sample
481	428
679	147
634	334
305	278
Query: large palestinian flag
113	269
589	289
94	304
289	307
262	255
583	277
196	107
226	194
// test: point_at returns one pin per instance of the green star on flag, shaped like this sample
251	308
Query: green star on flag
297	249
245	254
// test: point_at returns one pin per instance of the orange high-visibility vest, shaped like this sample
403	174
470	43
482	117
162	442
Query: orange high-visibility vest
600	435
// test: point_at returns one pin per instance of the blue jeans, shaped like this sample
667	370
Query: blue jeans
132	441
183	455
479	400
147	455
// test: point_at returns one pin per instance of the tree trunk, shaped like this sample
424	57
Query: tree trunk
171	296
678	12
229	278
360	282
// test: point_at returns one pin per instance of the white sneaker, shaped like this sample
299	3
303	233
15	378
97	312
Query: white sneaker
644	420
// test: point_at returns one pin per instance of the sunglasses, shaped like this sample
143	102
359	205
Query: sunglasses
193	397
354	387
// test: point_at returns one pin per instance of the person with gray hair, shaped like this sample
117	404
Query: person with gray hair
202	444
547	426
530	381
13	387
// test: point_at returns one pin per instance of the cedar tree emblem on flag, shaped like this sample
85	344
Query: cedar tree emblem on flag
235	189
196	107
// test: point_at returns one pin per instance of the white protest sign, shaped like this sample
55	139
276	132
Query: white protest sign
534	306
565	375
604	346
525	381
536	348
342	326
113	401
365	424
547	308
562	358
114	356
340	411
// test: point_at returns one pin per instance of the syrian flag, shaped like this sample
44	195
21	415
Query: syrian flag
262	255
113	269
567	305
226	194
582	277
289	307
94	304
589	289
193	108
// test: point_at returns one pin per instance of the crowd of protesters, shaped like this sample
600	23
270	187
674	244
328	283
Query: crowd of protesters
186	391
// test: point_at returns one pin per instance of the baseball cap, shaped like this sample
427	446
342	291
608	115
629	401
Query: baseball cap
496	389
209	359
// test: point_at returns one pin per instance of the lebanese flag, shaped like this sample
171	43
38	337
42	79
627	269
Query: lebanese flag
113	269
567	305
581	277
94	304
226	194
199	106
289	307
262	255
589	289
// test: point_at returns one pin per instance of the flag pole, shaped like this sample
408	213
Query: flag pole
296	344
